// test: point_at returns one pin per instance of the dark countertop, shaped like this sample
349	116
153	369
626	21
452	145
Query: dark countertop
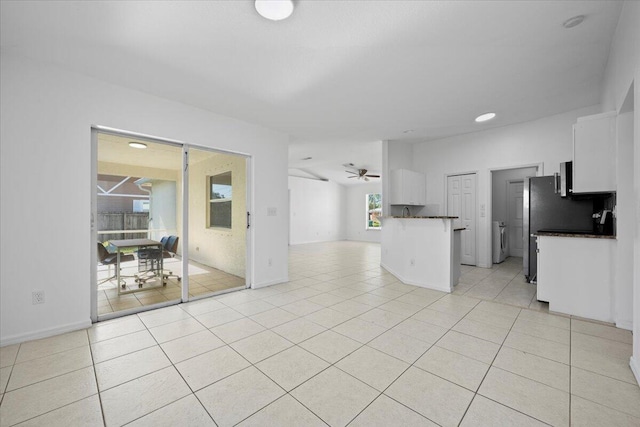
569	234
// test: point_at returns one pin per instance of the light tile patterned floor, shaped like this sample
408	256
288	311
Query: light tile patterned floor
343	342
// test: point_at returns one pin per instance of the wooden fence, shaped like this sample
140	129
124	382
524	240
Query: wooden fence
124	221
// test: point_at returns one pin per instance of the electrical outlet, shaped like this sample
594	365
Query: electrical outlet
37	297
270	262
412	262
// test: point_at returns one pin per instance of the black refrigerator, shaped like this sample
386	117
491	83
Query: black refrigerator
545	209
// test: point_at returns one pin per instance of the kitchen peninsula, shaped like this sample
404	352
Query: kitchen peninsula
422	251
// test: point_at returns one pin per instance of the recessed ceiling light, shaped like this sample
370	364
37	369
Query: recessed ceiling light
484	117
275	10
134	144
573	22
307	158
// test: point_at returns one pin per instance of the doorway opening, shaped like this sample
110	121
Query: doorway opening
507	231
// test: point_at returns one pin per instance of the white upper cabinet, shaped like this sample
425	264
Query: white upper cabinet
408	188
594	154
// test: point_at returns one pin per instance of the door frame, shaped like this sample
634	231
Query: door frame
477	210
184	228
489	201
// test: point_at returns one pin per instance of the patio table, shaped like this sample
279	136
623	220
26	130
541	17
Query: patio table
156	267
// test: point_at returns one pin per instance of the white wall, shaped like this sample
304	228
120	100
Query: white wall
357	214
547	141
624	252
635	360
318	211
499	183
623	70
46	115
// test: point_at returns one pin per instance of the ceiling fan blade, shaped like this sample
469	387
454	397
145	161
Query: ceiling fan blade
355	173
373	176
355	176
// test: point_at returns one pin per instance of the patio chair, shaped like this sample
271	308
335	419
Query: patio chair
170	249
148	257
109	259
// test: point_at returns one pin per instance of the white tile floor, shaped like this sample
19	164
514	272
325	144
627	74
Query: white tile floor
342	343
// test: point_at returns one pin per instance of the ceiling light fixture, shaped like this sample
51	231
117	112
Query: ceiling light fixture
307	158
275	10
408	131
134	144
484	117
573	21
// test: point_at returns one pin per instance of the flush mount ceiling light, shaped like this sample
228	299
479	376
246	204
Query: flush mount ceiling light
275	10
408	131
573	22
484	117
133	144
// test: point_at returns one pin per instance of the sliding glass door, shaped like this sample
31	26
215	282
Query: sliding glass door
217	217
169	223
137	195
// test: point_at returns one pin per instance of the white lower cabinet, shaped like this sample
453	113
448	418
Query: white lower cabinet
575	275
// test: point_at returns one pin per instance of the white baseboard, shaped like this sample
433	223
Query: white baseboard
306	242
269	283
625	324
409	282
635	368
45	333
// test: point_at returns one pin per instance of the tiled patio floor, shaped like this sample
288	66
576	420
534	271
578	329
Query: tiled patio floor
202	280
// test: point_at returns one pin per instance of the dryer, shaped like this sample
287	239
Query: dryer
499	241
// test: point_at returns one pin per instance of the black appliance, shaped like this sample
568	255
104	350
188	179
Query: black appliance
566	179
544	208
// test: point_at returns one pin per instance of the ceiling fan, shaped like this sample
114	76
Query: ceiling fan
360	174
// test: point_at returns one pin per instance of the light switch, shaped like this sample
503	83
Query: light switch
272	211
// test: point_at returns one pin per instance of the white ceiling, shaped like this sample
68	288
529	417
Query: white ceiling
115	149
337	75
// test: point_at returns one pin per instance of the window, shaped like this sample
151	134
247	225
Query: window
220	196
141	205
374	211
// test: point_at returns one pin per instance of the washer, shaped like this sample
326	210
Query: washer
499	241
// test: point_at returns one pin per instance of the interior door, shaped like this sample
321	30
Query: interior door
515	229
461	202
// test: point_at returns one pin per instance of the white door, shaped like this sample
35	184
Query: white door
461	202
515	191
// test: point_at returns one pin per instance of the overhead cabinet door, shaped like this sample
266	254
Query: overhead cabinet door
407	188
594	154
